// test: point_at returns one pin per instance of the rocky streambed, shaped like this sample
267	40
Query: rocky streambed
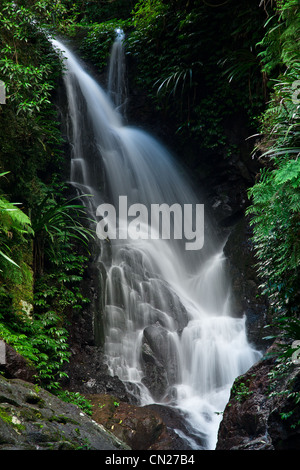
255	419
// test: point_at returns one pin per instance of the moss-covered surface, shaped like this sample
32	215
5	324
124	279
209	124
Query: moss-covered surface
32	418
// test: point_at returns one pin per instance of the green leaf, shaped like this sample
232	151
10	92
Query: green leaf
8	259
289	172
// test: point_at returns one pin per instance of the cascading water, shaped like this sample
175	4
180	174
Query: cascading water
116	86
169	331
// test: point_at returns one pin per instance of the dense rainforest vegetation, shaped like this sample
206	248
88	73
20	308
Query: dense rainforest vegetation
200	63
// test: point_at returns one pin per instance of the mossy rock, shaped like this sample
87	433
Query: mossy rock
32	418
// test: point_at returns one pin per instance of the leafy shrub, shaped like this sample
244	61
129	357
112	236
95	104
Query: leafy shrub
97	43
276	196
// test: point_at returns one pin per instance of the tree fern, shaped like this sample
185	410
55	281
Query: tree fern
12	220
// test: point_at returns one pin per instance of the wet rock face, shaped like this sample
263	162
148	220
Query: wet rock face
86	371
34	419
252	418
149	427
88	374
127	422
159	360
247	298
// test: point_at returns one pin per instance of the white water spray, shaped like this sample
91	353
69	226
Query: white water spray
169	331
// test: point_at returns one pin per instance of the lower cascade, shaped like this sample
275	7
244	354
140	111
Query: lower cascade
169	330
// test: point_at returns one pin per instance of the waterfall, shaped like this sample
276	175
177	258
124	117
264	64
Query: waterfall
117	74
170	333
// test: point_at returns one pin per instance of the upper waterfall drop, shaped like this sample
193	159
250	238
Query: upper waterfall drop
170	335
116	87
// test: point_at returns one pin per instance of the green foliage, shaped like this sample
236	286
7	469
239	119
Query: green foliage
275	197
15	255
18	340
276	223
281	384
60	288
153	43
77	399
34	305
240	390
50	341
57	289
12	221
42	337
29	67
56	223
188	57
172	44
97	11
280	44
28	82
41	341
97	43
179	76
149	12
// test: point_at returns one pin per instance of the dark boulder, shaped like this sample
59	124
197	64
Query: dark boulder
150	427
160	361
13	365
257	419
87	373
